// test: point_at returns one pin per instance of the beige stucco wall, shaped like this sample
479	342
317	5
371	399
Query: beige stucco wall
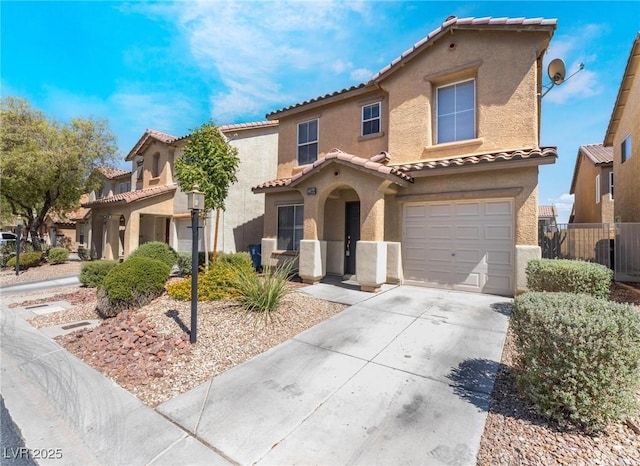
586	210
627	174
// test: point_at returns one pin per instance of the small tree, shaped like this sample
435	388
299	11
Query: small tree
211	163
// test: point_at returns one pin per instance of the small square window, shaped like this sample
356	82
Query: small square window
307	142
371	119
456	112
625	149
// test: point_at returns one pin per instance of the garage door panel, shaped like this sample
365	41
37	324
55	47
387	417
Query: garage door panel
466	245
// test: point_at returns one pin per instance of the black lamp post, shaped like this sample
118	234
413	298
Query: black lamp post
195	203
18	241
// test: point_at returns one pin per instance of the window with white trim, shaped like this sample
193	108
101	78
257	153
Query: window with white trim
124	186
456	111
625	149
307	142
598	197
611	184
290	227
371	119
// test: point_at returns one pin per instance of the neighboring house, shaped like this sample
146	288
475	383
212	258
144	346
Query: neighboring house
623	136
146	203
592	185
427	174
547	215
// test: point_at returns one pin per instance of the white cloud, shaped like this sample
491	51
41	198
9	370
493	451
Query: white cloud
255	47
361	75
564	204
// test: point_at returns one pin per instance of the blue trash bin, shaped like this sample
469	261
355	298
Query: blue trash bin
255	253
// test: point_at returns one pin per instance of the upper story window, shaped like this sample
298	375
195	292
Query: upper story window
103	191
155	166
307	142
625	149
456	111
290	227
139	168
611	184
598	196
371	119
124	187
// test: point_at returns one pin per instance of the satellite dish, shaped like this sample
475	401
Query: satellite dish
557	71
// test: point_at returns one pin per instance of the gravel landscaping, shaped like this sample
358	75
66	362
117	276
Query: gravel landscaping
148	353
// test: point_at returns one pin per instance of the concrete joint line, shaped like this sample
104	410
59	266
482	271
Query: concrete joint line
168	448
204	403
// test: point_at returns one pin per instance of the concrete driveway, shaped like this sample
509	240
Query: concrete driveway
401	377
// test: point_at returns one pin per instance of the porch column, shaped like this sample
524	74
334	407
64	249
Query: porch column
371	266
112	246
131	233
372	212
313	217
313	260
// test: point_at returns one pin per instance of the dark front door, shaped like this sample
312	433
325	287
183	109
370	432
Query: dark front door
352	235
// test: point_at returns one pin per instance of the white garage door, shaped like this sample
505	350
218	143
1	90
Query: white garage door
462	245
184	238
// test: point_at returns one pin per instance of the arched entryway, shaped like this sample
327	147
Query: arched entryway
341	230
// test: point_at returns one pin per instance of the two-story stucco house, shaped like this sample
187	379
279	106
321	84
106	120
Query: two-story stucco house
427	174
146	204
623	136
592	185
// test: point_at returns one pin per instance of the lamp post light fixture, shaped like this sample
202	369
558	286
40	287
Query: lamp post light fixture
195	203
18	241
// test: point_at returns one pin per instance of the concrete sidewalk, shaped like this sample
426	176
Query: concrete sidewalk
403	377
59	402
39	285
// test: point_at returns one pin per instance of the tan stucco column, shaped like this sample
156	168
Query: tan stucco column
313	218
112	249
131	233
372	212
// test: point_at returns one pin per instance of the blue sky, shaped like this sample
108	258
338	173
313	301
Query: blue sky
172	66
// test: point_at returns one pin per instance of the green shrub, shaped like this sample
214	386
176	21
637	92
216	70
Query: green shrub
27	259
84	254
132	284
569	276
184	264
213	285
262	293
157	250
236	259
92	273
58	255
579	356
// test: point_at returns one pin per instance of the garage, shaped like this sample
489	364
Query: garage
184	235
460	245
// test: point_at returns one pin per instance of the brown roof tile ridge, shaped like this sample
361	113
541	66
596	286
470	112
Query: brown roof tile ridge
382	157
164	137
110	172
248	125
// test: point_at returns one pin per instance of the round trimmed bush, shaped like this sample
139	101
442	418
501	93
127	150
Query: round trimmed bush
92	273
58	255
27	259
579	357
132	284
157	250
571	276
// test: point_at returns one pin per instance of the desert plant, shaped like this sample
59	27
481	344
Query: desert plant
569	276
92	273
236	259
84	253
132	284
27	259
579	357
213	285
262	293
184	264
157	250
58	255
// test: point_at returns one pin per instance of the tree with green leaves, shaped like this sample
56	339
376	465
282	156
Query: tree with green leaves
46	165
210	162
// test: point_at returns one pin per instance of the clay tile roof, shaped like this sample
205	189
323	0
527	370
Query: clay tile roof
547	211
239	127
112	173
336	155
597	153
451	23
144	140
470	160
132	196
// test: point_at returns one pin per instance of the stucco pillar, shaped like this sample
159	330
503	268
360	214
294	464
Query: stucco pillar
371	266
372	216
112	247
394	262
131	233
523	255
313	259
267	246
313	217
